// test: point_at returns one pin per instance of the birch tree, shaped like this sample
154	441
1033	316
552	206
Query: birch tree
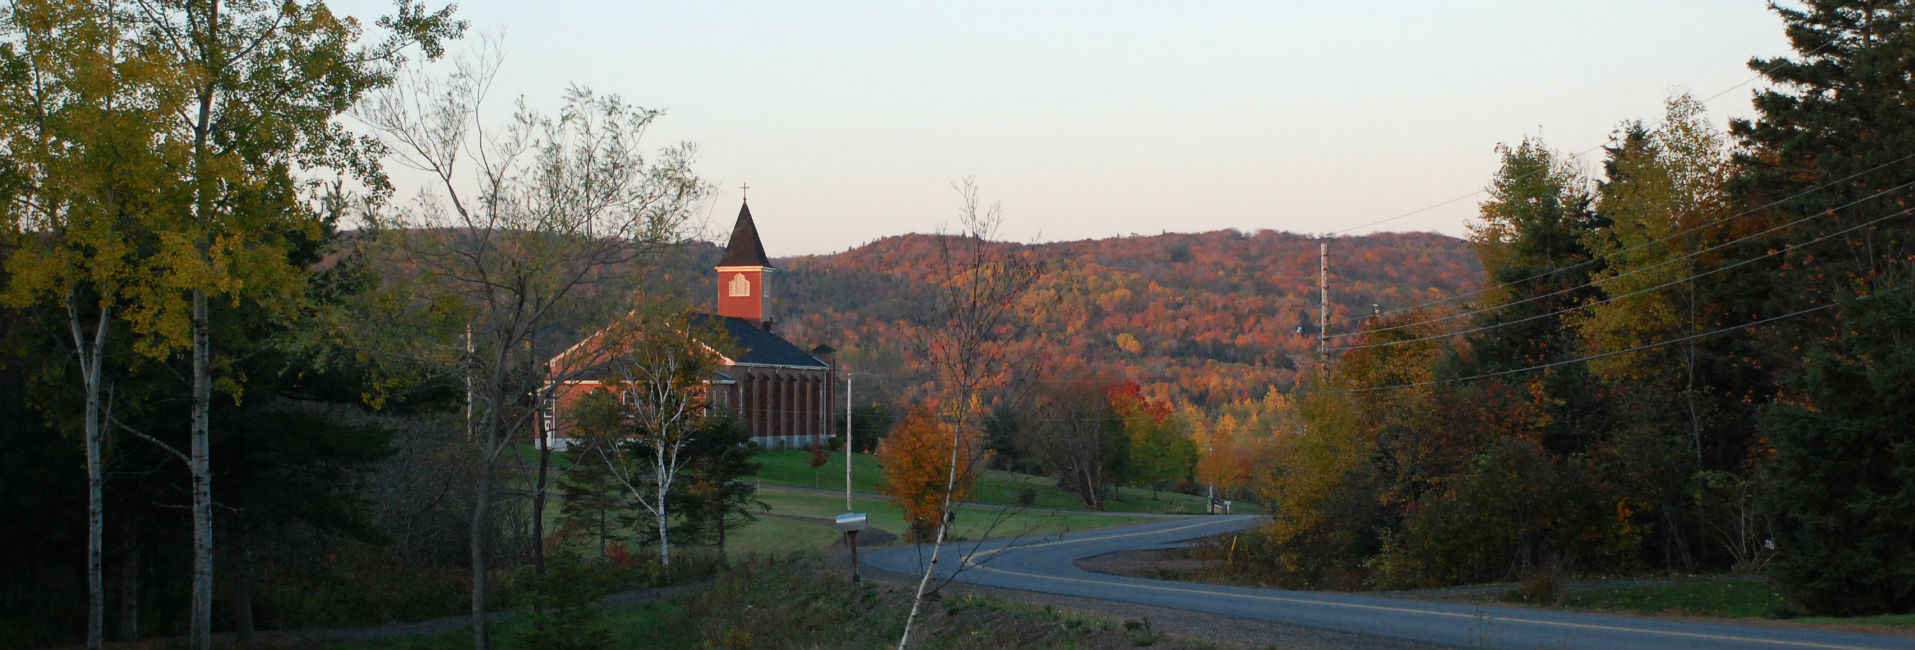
525	222
261	83
659	364
83	176
978	313
1666	203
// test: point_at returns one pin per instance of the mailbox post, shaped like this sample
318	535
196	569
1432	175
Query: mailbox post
851	523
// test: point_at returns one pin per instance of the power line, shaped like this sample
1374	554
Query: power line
1760	74
1688	231
1601	355
1737	264
1413	213
1671	260
1763	73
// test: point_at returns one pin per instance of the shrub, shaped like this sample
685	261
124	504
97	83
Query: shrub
1540	588
559	607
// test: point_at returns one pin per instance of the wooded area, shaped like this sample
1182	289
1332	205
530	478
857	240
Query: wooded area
1695	362
245	385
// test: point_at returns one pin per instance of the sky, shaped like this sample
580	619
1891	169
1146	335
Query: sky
851	121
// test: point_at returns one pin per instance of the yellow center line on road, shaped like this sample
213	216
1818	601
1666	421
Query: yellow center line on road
973	563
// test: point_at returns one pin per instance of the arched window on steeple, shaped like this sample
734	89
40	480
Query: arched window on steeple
740	286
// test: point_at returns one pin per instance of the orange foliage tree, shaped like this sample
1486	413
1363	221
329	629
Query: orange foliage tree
916	458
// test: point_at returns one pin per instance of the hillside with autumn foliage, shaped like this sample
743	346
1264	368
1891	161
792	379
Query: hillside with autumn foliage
1204	319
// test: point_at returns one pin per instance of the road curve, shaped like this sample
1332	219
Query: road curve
1048	565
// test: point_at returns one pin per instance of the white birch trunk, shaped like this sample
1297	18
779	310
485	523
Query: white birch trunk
201	635
664	544
937	544
90	362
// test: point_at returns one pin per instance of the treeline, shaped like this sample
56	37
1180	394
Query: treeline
1698	360
1208	330
224	413
1206	319
1202	318
162	218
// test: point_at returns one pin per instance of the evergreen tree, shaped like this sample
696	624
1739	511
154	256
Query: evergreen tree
1839	120
717	494
1841	482
42	601
1827	164
1001	428
590	498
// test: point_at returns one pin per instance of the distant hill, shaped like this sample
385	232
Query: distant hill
1207	318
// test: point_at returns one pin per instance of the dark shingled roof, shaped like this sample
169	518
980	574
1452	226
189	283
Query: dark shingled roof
744	248
757	346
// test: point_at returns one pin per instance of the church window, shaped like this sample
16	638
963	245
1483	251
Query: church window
740	286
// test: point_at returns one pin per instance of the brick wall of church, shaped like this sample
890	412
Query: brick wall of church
783	407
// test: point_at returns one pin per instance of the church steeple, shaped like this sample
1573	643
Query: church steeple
741	272
744	248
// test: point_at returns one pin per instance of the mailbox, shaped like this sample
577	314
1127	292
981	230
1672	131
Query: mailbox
850	522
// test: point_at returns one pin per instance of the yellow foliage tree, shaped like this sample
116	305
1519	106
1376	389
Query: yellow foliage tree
916	460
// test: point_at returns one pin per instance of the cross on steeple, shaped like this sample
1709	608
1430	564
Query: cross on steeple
744	192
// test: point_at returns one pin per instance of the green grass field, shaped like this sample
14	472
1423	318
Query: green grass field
1750	597
787	470
972	523
791	467
773	536
1053	511
1725	599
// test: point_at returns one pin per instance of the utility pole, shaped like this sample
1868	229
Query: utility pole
1323	312
847	441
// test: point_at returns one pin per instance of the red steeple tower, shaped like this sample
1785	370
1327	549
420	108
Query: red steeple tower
741	272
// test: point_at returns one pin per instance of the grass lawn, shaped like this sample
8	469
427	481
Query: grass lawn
785	470
773	536
1749	597
791	467
1724	599
972	523
527	456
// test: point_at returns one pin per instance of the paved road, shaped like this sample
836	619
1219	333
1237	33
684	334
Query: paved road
1048	565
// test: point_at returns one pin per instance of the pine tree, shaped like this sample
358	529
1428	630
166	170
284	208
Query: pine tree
590	499
1827	164
1842	479
1832	141
717	494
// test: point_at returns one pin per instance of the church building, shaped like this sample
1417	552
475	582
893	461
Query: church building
782	392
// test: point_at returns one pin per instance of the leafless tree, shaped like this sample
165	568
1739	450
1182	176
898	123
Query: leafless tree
970	337
527	221
1073	439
